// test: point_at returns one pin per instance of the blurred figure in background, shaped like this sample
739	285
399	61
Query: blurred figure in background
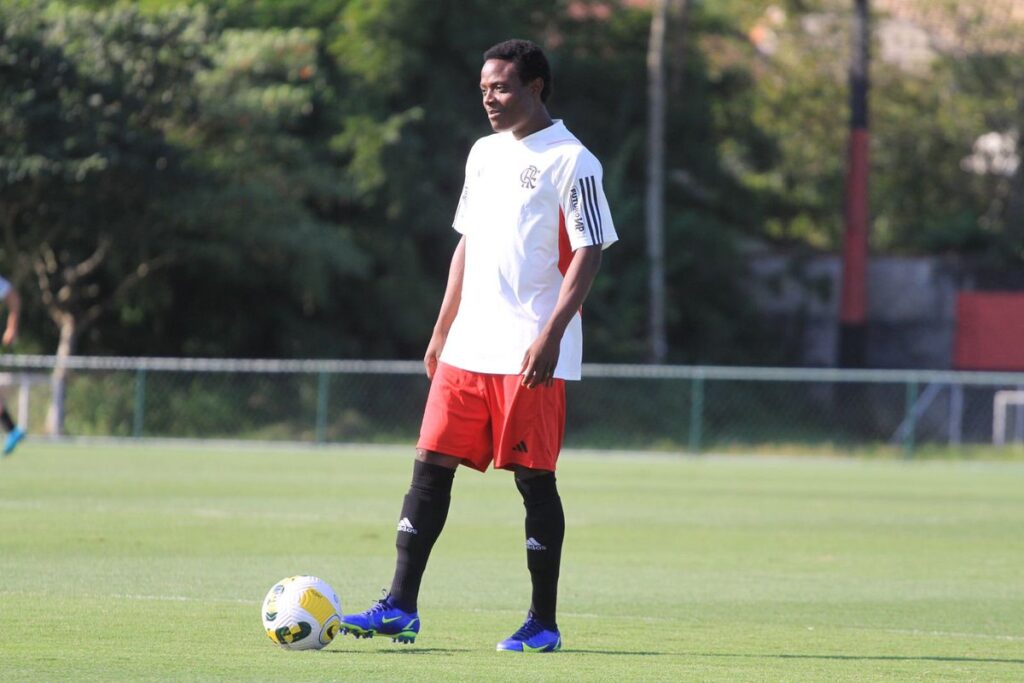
10	297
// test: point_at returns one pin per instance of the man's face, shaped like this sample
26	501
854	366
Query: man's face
510	104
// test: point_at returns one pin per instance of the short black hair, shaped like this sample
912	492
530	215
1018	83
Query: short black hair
529	60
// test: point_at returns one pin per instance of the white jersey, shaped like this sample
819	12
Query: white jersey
5	288
526	206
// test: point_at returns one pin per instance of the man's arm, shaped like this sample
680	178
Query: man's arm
13	302
542	356
449	307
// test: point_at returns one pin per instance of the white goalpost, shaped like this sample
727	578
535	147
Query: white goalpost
1001	402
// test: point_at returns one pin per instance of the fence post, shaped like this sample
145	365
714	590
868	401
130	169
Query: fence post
911	419
140	403
323	388
956	413
696	411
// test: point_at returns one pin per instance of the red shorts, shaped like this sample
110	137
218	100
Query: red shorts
480	418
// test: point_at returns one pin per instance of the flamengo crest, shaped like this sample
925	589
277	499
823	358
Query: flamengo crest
529	177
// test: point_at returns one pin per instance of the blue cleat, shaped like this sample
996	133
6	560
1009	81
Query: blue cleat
385	619
533	636
13	439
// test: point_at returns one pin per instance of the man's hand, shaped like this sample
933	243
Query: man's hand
449	309
13	302
540	361
433	354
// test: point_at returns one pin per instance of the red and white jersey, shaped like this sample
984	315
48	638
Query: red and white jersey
526	206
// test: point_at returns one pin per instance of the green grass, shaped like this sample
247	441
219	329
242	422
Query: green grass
150	563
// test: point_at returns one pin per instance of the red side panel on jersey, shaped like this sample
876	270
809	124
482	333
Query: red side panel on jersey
564	248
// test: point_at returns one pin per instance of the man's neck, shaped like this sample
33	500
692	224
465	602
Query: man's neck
538	122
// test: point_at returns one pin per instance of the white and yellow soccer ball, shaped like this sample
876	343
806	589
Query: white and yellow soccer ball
302	613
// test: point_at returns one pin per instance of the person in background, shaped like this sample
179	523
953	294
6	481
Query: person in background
10	297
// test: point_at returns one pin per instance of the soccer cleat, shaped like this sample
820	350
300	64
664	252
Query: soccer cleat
533	636
13	439
384	619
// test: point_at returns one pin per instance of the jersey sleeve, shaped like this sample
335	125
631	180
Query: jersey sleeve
588	220
5	288
462	221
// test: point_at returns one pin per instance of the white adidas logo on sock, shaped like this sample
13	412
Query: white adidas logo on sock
533	544
406	526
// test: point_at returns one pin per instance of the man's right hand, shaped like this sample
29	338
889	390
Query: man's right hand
430	359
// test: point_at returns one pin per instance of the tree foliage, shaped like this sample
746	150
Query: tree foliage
257	178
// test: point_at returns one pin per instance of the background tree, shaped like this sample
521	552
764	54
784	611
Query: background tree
87	165
168	163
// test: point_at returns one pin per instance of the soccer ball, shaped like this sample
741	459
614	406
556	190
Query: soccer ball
302	613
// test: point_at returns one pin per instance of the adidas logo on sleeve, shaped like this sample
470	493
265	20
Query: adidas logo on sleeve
406	526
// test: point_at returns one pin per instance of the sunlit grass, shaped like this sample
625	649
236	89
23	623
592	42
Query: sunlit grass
149	563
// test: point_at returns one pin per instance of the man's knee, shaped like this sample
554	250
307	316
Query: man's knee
439	459
536	486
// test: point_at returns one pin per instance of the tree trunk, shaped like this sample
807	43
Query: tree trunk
58	380
655	204
679	31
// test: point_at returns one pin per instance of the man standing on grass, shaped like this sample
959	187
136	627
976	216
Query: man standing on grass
534	220
10	297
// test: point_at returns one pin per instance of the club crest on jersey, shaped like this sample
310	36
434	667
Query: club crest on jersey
574	209
529	177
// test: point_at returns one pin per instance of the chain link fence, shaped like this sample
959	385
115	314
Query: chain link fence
692	409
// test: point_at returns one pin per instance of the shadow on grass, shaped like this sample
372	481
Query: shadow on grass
637	653
649	653
403	651
875	658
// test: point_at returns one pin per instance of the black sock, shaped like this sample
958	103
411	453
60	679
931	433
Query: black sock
423	514
5	420
545	529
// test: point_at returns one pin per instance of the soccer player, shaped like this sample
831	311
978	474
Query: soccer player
10	296
534	220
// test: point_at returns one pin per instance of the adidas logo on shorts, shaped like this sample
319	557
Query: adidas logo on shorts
406	526
533	544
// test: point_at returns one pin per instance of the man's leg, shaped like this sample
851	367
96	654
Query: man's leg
545	530
424	512
531	438
14	433
455	420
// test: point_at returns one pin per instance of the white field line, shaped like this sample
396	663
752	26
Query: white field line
953	634
133	596
179	511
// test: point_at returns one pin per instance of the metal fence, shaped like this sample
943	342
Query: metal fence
680	408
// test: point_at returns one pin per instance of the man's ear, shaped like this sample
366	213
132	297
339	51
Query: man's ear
536	86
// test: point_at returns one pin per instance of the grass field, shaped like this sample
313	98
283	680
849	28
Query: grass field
150	563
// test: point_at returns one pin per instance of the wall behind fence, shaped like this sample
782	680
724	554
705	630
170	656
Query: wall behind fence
679	408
